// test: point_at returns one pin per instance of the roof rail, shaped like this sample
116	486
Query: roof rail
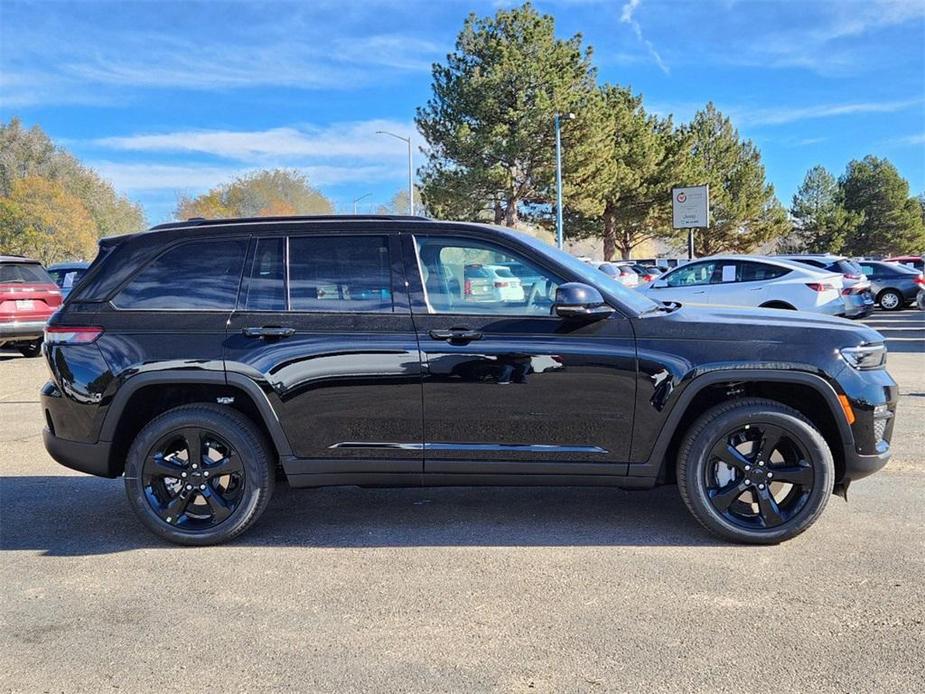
203	222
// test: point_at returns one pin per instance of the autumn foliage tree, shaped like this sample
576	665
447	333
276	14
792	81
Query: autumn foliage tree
39	218
271	193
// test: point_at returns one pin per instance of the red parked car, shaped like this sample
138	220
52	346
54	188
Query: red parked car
916	262
28	297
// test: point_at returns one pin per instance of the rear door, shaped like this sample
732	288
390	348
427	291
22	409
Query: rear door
324	326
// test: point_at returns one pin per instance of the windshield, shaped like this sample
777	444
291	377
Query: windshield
633	300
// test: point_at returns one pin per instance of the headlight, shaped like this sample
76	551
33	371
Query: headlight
864	357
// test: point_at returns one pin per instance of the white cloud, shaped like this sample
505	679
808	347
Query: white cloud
626	17
355	139
792	114
148	177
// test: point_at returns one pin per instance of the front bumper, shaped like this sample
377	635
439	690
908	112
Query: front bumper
92	458
21	330
858	465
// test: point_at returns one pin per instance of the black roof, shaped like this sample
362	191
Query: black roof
197	222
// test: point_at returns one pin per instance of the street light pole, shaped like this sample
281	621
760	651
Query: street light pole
406	140
356	200
559	230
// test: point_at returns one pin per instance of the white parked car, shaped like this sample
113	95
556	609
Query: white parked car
743	280
622	271
507	286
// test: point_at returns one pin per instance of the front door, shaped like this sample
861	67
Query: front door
508	387
323	323
688	284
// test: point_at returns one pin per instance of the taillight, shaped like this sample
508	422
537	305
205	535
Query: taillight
648	278
70	335
849	276
467	288
820	286
920	280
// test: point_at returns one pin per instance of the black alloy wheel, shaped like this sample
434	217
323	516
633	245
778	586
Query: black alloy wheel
193	479
199	474
758	476
756	471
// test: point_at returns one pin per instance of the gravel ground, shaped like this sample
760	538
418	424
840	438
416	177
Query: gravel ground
459	589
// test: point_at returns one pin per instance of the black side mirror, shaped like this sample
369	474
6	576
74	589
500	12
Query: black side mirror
577	300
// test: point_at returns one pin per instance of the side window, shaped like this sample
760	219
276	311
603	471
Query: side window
339	273
868	270
756	272
266	286
692	275
465	276
197	275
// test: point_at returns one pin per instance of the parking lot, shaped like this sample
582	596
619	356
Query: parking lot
348	589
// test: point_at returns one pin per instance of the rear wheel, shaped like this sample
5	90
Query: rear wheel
755	471
890	300
31	349
199	474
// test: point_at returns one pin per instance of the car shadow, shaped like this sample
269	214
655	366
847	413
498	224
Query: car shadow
78	516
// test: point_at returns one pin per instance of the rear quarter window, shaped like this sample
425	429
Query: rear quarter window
197	275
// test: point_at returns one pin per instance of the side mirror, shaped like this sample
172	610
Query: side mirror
659	284
577	300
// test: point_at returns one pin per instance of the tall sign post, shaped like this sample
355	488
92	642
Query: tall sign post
690	209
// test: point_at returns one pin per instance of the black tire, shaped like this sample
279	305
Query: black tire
752	515
229	504
31	349
891	300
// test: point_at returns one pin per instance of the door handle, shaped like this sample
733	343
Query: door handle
268	331
456	335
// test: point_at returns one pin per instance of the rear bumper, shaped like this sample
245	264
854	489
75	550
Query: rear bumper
21	330
92	458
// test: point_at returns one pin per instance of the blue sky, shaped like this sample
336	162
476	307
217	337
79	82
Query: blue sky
173	98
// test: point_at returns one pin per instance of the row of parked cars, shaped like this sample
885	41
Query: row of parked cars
823	283
29	294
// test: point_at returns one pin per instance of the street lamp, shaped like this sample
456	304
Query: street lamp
559	232
356	200
406	140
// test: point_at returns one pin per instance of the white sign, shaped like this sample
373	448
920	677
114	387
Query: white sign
690	207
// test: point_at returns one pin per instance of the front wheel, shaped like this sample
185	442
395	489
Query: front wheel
755	471
199	474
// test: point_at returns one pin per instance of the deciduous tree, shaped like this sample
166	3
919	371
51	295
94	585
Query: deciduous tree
42	220
278	192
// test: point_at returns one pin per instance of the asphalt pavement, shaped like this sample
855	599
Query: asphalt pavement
539	590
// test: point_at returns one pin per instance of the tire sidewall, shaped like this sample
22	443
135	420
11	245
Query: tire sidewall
809	438
240	434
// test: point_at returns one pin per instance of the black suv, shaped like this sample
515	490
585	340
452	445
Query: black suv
197	358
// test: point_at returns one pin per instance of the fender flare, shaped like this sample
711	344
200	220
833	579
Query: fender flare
179	377
656	460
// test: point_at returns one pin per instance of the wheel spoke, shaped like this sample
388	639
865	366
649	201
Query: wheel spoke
221	509
801	475
176	507
770	438
768	509
730	455
194	445
722	498
163	466
229	465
